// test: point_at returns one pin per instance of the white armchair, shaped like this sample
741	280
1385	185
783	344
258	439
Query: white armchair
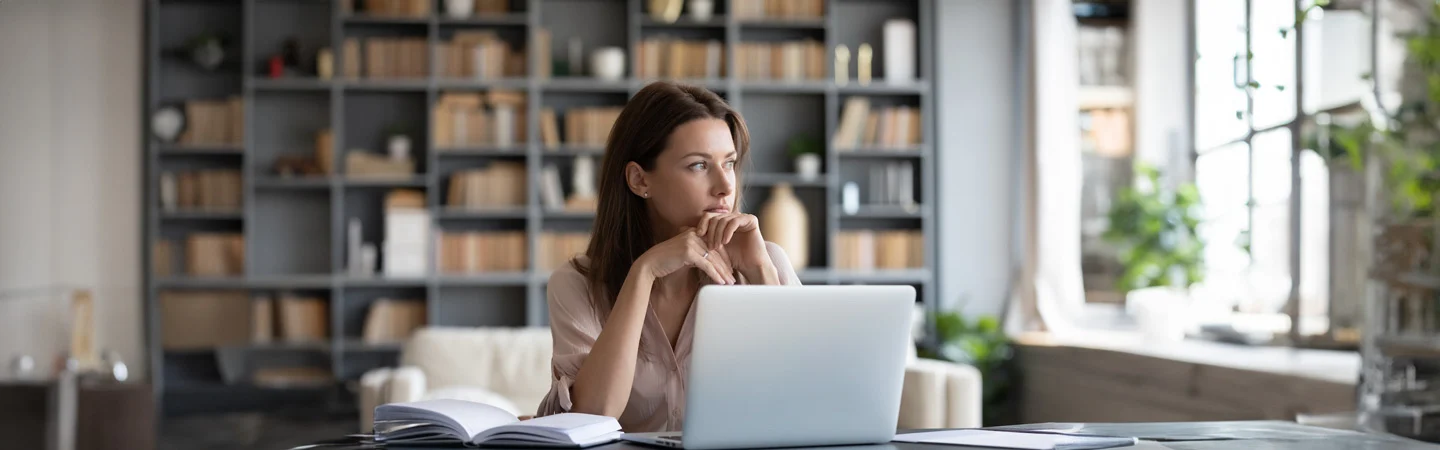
510	368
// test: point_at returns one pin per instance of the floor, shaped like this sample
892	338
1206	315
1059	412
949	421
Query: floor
251	431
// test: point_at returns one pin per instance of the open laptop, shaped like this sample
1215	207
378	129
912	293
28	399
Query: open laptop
786	366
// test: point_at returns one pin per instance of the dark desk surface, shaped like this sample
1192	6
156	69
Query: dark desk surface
1256	435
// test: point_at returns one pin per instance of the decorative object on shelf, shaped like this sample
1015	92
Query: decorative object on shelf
783	221
899	35
407	233
398	144
573	61
583	181
842	64
667	11
850	198
354	242
276	67
806	151
608	63
167	123
207	51
325	64
360	163
863	61
459	9
702	10
169	192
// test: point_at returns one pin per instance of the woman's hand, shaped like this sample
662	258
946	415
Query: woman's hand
738	234
683	251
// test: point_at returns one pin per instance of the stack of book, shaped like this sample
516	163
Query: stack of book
863	250
462	120
204	190
215	254
502	184
393	320
891	127
214	122
556	248
893	183
389	8
198	319
781	61
584	127
480	55
777	9
482	251
668	57
386	57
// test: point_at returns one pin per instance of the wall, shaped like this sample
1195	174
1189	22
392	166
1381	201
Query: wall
70	79
975	111
1162	94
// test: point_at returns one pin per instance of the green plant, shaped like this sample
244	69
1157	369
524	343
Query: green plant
979	343
802	144
1156	232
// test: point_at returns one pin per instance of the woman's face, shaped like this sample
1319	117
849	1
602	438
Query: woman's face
693	175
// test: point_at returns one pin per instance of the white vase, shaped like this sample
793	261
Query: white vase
702	10
783	221
808	166
608	63
399	147
899	35
459	9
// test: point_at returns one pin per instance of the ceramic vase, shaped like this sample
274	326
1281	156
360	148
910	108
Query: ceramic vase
702	10
808	166
459	9
784	222
399	147
608	63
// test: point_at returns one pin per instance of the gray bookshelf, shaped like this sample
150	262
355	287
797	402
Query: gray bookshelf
294	228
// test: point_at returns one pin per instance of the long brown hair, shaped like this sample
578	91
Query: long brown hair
622	230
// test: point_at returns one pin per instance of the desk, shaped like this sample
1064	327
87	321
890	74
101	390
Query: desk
1237	435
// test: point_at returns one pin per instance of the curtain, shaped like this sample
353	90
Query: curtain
1049	290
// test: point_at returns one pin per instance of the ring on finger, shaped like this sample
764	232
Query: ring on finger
706	255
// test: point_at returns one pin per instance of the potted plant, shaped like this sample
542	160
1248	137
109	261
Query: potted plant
806	149
982	344
1155	231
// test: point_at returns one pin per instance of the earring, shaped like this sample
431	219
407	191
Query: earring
647	195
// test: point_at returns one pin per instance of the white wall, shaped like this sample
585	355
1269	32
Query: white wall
977	190
70	166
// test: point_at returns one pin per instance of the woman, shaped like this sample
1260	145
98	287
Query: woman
668	223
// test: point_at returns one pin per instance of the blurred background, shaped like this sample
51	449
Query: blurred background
244	223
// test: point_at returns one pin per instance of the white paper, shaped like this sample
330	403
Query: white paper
983	438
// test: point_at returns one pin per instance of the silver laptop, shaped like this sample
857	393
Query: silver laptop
786	366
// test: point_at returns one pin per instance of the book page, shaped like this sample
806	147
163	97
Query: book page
466	418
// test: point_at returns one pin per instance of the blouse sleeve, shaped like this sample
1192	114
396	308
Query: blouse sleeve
783	267
573	328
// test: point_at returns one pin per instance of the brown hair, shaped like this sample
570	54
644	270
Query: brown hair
622	230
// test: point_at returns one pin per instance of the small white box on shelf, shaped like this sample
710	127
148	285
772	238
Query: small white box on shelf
405	259
407	225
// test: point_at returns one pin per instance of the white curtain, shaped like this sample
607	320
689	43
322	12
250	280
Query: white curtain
1049	290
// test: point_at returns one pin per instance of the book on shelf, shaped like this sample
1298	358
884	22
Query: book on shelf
491	7
789	61
589	126
204	319
214	122
387	57
544	67
162	259
668	57
476	119
393	320
480	55
215	254
864	250
463	252
302	319
893	184
388	8
203	190
473	424
557	248
501	184
549	128
777	9
865	125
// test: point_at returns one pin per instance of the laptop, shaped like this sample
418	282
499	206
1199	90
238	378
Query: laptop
789	366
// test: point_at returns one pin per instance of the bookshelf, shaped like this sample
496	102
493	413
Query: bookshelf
294	228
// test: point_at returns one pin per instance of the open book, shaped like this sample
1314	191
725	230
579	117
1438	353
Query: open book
471	424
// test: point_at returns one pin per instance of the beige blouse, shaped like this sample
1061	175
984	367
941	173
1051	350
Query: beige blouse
657	397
